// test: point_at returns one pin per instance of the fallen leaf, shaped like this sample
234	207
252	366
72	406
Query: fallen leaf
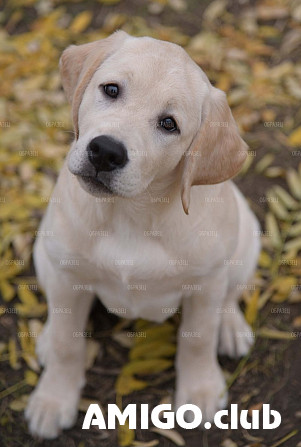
126	384
273	334
125	435
81	22
20	403
297	321
252	308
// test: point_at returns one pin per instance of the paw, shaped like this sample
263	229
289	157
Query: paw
42	346
207	391
48	411
236	336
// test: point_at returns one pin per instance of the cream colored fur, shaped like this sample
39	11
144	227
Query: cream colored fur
140	234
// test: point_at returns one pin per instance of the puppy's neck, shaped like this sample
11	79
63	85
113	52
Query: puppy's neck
159	198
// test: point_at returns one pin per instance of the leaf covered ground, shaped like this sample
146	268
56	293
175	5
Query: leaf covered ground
251	50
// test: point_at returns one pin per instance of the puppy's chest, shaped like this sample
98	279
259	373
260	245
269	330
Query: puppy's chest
139	276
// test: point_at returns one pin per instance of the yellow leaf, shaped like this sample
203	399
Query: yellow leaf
20	403
295	230
147	366
7	290
295	137
214	10
247	164
31	362
162	331
279	298
252	308
265	260
294	183
297	321
277	208
39	310
3	347
31	378
294	244
142	325
286	198
153	350
81	22
12	354
27	297
126	384
284	284
273	334
23	334
125	435
273	230
264	163
92	350
264	298
274	171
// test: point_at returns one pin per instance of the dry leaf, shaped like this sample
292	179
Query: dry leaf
297	322
295	137
31	378
92	350
20	403
81	22
125	435
126	384
252	308
273	334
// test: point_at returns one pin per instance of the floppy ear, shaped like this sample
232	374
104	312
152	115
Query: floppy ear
78	63
217	152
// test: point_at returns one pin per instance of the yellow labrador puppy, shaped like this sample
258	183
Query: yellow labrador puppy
148	126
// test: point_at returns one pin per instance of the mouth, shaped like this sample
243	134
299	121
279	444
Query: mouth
93	185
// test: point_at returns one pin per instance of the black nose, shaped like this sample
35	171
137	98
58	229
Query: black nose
106	154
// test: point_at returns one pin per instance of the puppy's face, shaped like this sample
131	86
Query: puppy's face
140	106
137	117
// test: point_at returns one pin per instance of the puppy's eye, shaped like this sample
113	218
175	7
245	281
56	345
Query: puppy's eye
169	124
111	90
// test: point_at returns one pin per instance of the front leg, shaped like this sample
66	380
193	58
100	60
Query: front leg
200	380
53	404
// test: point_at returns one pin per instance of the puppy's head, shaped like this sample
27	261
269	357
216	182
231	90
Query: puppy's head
141	109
